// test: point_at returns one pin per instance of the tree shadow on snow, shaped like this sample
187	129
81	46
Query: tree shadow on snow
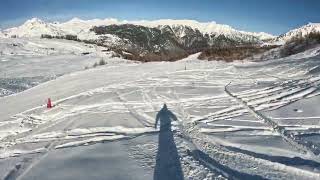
168	165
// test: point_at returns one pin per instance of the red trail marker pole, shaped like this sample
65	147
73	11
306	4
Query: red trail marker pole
49	105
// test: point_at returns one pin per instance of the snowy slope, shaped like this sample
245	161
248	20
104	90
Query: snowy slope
11	47
45	58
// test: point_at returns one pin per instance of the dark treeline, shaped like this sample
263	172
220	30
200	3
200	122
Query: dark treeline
233	53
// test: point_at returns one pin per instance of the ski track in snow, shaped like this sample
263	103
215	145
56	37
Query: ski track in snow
272	123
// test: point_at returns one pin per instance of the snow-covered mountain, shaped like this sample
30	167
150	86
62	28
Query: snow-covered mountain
164	39
301	31
203	27
34	28
76	26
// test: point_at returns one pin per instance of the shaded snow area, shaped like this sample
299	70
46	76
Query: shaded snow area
222	121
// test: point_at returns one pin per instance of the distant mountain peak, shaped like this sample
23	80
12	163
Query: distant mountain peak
300	31
76	19
34	27
34	21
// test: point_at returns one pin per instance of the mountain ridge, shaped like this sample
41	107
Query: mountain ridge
301	31
77	25
160	40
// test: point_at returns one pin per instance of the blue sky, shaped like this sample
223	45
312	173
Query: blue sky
272	16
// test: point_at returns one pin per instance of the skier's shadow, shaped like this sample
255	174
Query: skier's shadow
168	165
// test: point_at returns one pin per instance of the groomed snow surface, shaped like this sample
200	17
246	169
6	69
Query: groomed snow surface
233	120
